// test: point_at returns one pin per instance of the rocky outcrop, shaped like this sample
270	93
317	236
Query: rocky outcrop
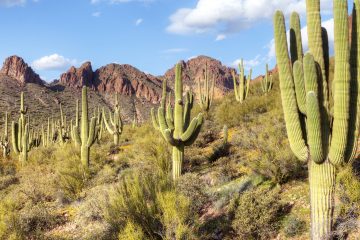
78	77
193	70
128	80
16	68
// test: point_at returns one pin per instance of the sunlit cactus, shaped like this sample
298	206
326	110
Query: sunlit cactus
114	125
242	89
267	81
175	126
320	134
206	90
85	136
4	139
20	133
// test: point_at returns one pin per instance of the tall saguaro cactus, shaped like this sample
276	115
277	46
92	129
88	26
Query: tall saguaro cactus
175	126
322	135
206	91
115	126
267	81
85	138
241	90
4	141
20	133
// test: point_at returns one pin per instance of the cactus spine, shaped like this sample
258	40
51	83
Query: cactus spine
85	138
20	133
115	126
305	99
267	81
242	90
4	141
175	126
206	92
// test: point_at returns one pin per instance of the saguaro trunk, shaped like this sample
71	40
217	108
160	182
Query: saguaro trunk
322	192
177	157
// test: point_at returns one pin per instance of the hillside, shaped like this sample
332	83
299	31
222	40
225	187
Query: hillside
139	92
225	188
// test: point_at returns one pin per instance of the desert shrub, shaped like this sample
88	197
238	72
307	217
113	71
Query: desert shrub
229	112
256	213
151	151
194	188
9	219
349	195
151	204
293	226
175	215
132	232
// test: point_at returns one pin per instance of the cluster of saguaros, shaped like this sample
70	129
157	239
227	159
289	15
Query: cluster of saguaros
321	132
83	133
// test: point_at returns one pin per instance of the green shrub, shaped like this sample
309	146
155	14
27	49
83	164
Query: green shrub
256	214
293	226
151	204
132	232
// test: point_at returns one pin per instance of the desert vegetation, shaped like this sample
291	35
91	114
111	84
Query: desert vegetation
275	158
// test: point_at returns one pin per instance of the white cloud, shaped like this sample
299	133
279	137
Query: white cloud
96	14
220	37
139	21
232	15
12	3
175	50
328	24
53	62
251	63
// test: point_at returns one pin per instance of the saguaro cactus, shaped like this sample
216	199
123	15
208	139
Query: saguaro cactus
4	141
86	137
318	135
20	133
242	90
100	123
206	92
115	126
267	81
63	134
175	126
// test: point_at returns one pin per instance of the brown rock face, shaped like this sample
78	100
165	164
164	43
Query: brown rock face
15	67
193	70
127	80
78	77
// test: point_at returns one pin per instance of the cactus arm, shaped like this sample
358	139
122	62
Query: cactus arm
236	91
192	128
355	85
341	83
194	136
14	136
25	139
248	84
170	118
154	120
168	135
291	115
314	128
187	109
310	75
178	108
92	131
315	42
84	116
76	135
162	121
299	83
296	50
107	125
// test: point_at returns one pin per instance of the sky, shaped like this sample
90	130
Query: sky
152	35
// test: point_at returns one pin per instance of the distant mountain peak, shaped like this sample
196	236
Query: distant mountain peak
16	68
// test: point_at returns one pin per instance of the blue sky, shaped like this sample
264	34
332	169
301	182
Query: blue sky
151	35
